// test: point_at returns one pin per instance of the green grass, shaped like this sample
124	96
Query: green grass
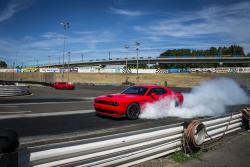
181	157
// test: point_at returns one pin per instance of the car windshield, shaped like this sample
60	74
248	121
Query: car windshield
135	90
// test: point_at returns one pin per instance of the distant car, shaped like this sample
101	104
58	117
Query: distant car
131	102
63	85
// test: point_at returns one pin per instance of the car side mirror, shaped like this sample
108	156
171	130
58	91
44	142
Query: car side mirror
153	94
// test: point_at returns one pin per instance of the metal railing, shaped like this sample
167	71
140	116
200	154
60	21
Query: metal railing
130	148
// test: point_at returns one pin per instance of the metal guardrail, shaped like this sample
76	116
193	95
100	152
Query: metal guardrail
116	151
129	148
218	127
13	90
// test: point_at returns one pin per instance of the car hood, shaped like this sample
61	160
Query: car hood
117	97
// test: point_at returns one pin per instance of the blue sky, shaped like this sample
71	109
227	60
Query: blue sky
30	30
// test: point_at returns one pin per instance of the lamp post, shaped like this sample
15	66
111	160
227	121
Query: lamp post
126	62
137	61
49	62
65	27
82	57
14	64
68	64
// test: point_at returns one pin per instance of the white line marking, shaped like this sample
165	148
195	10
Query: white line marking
17	104
46	114
14	112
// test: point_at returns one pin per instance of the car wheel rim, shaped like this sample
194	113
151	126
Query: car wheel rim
134	112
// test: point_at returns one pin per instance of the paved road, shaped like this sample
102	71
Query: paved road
55	112
48	100
52	112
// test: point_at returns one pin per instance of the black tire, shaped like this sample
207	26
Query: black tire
177	104
8	141
133	111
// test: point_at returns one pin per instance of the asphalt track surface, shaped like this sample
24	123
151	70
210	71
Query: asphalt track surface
61	113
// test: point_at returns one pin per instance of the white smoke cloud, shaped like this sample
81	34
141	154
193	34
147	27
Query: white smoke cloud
210	98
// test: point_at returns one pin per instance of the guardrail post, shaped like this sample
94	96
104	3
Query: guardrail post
24	158
246	117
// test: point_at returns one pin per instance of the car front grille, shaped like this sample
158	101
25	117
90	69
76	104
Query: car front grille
104	111
107	102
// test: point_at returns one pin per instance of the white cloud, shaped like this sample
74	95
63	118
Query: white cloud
31	48
126	12
230	23
5	45
13	7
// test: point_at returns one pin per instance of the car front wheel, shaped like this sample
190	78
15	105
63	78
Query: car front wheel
133	111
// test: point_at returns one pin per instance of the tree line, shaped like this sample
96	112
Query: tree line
3	64
233	50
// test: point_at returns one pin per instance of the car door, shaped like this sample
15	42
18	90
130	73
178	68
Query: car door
156	94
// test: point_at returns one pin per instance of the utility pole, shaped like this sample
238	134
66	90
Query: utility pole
65	27
137	61
109	55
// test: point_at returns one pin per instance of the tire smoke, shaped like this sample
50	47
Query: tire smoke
210	98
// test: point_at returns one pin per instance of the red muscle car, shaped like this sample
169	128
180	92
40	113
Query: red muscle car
131	101
63	85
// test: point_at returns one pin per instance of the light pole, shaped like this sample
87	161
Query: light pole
82	57
126	63
68	64
65	27
137	61
14	64
49	62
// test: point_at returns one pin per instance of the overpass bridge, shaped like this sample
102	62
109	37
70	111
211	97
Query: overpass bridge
155	60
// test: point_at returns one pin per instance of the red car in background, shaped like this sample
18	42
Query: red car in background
63	85
131	101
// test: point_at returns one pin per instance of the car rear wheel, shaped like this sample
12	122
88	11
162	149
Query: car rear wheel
177	104
133	111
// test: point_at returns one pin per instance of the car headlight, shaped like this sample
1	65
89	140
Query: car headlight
115	103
